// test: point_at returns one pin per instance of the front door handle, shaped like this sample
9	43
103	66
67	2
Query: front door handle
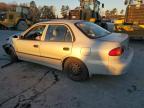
66	49
36	46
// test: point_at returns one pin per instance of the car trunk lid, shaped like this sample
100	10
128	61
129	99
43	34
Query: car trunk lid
117	37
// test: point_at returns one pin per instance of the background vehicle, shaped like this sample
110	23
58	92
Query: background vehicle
133	23
90	10
16	17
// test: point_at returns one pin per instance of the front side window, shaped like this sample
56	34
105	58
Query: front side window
35	33
92	30
58	33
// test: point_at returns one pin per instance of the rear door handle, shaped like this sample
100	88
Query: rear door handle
66	49
36	46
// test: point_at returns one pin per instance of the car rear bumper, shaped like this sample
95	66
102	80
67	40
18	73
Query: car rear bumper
120	66
113	67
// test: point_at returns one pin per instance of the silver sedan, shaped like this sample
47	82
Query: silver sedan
79	48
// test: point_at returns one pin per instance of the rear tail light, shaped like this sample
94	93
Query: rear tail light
116	52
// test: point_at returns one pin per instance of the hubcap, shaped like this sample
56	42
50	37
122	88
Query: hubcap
75	68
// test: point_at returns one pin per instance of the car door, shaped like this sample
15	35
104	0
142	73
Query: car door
28	45
56	45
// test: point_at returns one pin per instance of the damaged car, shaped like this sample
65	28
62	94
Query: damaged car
79	48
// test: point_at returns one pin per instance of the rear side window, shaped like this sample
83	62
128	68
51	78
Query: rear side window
58	33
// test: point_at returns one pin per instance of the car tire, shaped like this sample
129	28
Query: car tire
76	70
13	56
21	26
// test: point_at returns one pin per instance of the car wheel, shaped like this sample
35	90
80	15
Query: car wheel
13	55
22	25
76	70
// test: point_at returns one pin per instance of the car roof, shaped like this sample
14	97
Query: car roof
61	21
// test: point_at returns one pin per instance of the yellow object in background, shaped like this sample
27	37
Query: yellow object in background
121	21
142	26
128	28
92	20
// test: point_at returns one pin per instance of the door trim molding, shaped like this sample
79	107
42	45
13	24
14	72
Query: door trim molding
39	56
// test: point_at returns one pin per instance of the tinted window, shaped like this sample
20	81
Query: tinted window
92	30
58	33
35	33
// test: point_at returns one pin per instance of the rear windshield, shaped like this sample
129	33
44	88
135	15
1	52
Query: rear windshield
92	30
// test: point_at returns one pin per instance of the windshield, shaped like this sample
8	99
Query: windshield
92	30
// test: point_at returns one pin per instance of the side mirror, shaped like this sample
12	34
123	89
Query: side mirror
21	37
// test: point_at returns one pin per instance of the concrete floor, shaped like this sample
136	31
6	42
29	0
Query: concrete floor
29	85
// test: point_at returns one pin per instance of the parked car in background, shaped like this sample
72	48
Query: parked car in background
77	47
